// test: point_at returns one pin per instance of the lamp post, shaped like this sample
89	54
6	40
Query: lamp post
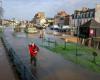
54	33
78	24
66	40
13	23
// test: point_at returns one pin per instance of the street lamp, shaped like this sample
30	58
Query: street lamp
78	24
54	33
66	40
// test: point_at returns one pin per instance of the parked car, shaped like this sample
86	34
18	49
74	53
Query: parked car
64	28
54	27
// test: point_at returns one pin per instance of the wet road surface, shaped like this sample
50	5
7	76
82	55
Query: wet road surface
6	71
50	66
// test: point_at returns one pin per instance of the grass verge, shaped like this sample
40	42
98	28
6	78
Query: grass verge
84	55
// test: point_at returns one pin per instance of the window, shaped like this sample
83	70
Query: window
91	14
72	16
61	18
87	15
75	16
83	15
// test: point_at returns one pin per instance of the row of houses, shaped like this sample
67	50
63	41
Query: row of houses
78	18
61	18
84	22
87	24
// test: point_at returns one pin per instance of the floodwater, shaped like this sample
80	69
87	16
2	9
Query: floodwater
50	66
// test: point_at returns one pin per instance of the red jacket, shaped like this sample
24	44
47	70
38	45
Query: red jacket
33	50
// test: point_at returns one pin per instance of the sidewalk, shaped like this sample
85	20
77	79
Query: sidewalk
6	72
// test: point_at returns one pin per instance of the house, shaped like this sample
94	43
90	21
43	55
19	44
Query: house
90	31
61	18
84	15
39	20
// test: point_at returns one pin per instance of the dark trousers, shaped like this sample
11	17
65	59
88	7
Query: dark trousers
33	59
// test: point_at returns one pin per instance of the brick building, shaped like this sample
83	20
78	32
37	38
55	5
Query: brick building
61	18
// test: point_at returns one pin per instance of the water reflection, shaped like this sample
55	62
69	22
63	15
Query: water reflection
34	70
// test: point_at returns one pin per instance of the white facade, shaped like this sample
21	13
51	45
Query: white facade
97	13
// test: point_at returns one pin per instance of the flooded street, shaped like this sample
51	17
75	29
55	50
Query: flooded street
50	66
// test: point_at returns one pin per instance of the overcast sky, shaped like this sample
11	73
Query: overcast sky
25	9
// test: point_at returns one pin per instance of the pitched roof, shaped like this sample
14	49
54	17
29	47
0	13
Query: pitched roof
91	23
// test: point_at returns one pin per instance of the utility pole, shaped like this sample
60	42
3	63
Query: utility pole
1	12
78	25
1	9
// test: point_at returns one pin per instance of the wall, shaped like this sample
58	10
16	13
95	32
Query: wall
97	13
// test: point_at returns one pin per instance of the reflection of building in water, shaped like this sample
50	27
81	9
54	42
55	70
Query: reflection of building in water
32	35
42	33
30	28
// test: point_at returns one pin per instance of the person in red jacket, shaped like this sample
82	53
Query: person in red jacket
33	49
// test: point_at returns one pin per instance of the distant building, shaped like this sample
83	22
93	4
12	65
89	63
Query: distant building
90	33
86	23
97	13
8	22
90	29
61	18
50	21
82	16
39	20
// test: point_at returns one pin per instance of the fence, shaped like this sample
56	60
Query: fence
24	72
51	42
